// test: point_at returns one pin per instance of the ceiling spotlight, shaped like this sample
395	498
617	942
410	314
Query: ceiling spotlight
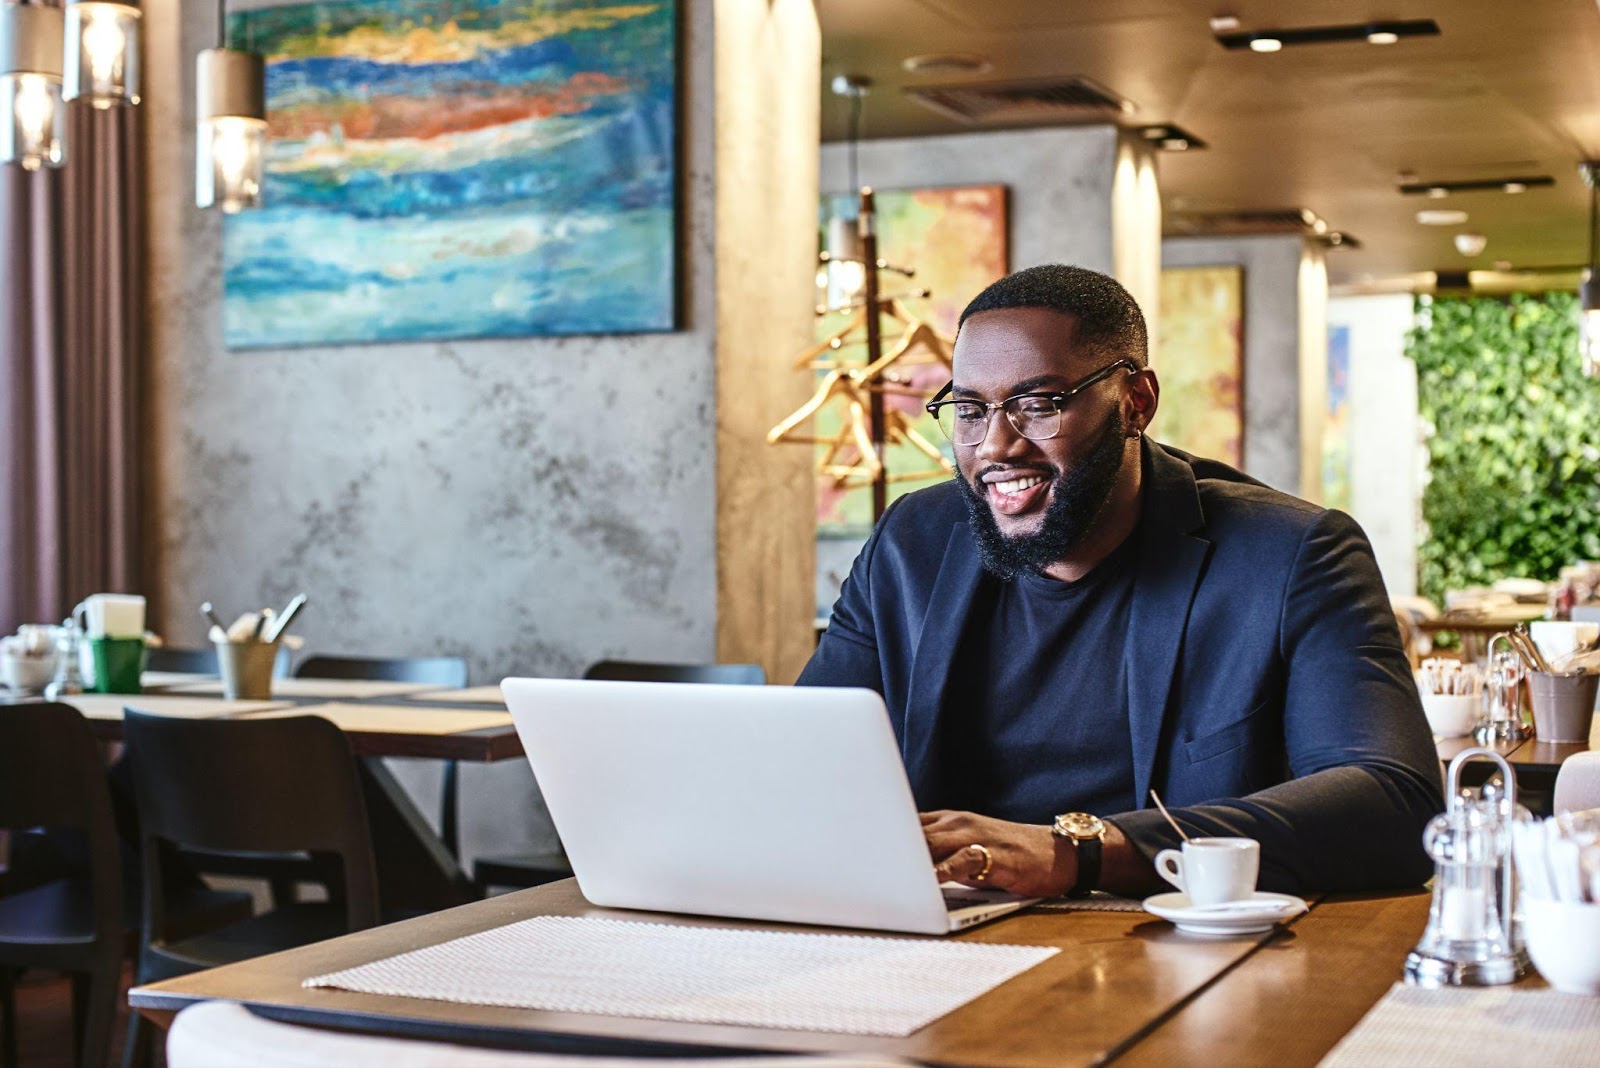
946	63
1470	244
1347	33
1502	265
1224	23
1515	187
1505	183
850	85
1265	44
1336	238
1438	192
1382	37
1171	138
1441	218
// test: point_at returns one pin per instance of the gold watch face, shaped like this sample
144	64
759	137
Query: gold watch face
1079	825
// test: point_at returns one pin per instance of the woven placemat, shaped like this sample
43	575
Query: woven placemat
844	984
1414	1028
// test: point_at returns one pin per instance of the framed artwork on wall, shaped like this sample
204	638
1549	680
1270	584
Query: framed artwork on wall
1200	358
1336	425
458	169
956	238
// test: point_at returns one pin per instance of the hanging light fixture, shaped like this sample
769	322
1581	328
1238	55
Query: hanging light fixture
32	118
844	274
230	126
1589	290
104	54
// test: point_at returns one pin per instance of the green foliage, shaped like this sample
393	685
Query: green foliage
1514	454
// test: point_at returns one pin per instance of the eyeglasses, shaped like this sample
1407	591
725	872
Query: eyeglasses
1036	416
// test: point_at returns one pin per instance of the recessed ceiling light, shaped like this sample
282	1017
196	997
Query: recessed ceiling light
946	63
1224	23
1437	217
1170	137
1469	244
1502	265
1505	183
1360	32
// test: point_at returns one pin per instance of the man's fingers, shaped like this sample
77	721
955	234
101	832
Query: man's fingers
961	866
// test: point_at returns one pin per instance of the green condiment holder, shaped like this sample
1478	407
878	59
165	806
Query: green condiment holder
118	664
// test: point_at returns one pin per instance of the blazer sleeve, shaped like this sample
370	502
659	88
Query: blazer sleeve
1365	771
847	653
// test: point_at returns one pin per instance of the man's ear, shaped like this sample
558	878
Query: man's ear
1141	401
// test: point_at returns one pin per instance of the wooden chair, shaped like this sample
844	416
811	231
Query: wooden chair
284	787
51	776
445	672
535	869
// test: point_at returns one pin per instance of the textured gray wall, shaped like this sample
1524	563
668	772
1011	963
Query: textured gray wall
1059	180
1271	345
533	505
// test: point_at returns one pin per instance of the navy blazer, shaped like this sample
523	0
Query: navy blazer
1268	694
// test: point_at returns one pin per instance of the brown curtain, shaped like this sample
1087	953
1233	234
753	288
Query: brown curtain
71	354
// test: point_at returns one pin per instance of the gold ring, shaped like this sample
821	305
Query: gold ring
988	862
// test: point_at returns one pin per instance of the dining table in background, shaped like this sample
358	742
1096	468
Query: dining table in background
379	719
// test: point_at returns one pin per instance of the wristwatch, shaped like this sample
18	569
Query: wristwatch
1086	833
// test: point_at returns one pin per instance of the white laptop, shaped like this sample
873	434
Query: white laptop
758	802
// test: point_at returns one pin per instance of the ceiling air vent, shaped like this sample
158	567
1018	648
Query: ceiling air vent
1285	221
1059	100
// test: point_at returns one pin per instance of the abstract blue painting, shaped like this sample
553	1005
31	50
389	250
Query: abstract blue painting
442	169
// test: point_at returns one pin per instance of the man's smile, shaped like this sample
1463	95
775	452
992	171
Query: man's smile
1012	492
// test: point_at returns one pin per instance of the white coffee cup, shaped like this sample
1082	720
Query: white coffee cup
1212	871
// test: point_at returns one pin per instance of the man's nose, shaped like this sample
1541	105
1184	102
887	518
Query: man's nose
1000	438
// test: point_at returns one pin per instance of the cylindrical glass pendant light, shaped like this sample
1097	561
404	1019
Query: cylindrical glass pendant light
32	117
230	130
103	53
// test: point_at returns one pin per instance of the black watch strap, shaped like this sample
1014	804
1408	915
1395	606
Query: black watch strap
1088	867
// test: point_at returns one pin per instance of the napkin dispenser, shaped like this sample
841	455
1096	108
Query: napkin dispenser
1471	938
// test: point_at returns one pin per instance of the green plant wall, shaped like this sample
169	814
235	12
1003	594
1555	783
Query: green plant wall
1514	450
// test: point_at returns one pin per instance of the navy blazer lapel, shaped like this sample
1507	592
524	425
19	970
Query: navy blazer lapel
1171	561
931	664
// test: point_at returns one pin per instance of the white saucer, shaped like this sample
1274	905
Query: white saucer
1260	912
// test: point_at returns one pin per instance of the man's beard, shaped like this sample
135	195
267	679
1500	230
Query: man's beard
1076	499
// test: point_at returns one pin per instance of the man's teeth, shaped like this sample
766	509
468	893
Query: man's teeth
1017	485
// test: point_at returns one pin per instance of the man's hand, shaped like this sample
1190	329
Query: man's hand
1025	858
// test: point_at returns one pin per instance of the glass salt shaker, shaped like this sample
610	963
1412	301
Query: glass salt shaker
1471	938
67	680
1503	693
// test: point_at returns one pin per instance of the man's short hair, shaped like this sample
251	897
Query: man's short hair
1109	320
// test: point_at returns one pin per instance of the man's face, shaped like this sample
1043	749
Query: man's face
1032	502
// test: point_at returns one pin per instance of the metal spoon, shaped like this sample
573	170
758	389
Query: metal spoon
282	622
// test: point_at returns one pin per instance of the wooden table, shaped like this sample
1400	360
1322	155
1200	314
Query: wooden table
1476	628
1126	987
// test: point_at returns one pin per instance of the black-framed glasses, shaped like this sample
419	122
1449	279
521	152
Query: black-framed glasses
1036	416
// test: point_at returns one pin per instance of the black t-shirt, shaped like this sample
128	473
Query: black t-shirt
1039	717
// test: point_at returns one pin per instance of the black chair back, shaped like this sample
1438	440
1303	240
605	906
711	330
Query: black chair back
52	776
633	671
203	661
441	671
270	785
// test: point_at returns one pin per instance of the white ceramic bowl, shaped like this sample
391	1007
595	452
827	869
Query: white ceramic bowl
27	673
1452	715
1564	941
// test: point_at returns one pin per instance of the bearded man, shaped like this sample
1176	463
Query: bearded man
1083	616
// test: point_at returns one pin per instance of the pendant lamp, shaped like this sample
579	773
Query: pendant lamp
32	116
103	53
230	129
1589	290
